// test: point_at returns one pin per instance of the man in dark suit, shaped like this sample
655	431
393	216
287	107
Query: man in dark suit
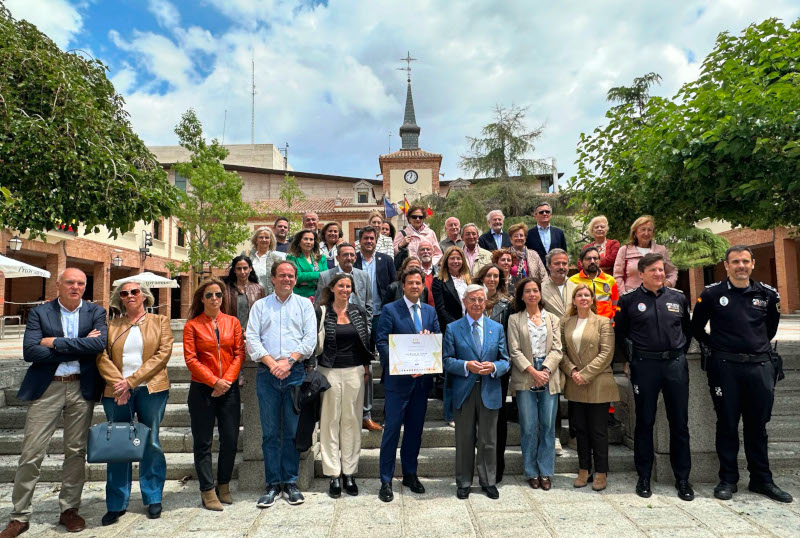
381	271
495	238
62	340
406	397
475	358
543	238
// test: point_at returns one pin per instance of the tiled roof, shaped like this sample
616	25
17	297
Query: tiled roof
406	153
319	205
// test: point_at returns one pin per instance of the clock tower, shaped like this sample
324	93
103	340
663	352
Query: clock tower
411	171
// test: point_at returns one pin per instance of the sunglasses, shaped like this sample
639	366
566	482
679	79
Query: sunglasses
545	212
416	217
133	293
210	295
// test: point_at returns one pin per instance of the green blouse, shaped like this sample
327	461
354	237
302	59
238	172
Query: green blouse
307	277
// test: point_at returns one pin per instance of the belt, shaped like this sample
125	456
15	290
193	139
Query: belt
657	355
67	378
740	357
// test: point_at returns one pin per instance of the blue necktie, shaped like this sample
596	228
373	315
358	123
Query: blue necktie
417	321
476	336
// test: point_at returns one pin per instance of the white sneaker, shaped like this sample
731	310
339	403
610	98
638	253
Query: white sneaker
559	450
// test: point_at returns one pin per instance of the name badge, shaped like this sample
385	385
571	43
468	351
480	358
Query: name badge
674	307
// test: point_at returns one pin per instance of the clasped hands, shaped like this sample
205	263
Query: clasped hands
480	368
281	367
540	377
577	377
50	340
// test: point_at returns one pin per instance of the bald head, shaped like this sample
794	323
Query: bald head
71	284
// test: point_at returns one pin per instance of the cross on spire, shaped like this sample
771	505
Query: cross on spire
408	59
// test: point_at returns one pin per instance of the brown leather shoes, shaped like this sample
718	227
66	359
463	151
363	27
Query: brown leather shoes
545	483
72	520
14	528
582	479
534	482
600	481
371	425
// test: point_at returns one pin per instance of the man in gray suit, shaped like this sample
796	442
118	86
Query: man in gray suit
362	294
556	288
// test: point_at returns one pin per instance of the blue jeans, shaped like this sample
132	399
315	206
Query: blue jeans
149	410
537	421
279	424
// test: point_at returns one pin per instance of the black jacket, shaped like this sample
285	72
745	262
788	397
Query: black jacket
534	242
385	274
44	321
448	305
486	241
358	317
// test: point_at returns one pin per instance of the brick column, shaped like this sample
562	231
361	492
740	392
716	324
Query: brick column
186	295
55	264
786	269
102	283
163	299
696	284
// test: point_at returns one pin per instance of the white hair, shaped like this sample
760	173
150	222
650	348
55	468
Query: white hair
492	212
470	225
472	288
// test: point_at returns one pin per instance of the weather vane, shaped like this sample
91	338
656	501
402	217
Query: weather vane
408	59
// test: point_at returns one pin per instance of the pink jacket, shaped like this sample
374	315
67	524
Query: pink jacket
626	272
415	237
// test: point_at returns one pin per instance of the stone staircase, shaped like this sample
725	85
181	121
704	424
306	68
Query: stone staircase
437	456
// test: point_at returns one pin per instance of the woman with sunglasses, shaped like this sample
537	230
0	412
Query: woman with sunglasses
214	351
304	254
412	235
134	367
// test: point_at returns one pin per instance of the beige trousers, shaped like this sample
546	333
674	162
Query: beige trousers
40	424
340	422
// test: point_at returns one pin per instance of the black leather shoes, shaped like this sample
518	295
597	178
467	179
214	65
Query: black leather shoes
412	482
350	485
462	493
685	491
386	494
725	491
111	517
643	488
154	511
491	492
335	489
772	491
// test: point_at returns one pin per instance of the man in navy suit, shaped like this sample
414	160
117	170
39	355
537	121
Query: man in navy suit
495	238
406	396
475	358
543	238
381	271
62	340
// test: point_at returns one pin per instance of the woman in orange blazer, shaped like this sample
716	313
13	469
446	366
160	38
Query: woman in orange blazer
214	351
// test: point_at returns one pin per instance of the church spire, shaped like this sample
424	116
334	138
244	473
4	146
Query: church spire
409	131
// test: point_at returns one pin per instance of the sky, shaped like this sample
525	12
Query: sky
326	71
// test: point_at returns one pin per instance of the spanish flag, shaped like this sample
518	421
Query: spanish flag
404	207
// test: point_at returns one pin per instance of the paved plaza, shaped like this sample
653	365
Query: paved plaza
520	511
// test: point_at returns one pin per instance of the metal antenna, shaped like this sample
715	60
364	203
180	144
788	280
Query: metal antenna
408	59
252	97
224	124
390	141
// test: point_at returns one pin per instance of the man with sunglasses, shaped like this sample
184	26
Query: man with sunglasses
62	340
543	238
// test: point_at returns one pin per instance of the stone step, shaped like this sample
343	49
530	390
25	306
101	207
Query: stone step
176	414
436	434
781	429
179	465
440	461
786	404
175	439
178	393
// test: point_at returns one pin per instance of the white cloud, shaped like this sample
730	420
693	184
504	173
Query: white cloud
165	12
58	19
327	82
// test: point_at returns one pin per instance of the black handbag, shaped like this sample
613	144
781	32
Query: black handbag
117	442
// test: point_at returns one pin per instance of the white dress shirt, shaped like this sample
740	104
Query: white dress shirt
483	338
70	323
279	329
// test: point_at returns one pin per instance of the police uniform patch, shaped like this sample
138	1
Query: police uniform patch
759	303
674	307
723	301
606	288
642	307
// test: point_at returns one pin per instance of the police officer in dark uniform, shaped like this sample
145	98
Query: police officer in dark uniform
652	326
744	317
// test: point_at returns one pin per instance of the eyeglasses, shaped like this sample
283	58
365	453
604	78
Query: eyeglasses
210	295
133	293
416	217
544	212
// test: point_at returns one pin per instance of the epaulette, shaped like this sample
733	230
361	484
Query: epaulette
714	284
626	292
676	289
768	287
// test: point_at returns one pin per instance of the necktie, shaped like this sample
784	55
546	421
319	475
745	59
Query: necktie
417	321
476	336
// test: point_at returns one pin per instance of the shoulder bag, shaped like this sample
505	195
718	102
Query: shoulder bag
117	442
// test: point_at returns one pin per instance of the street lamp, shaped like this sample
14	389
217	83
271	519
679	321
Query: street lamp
15	244
116	261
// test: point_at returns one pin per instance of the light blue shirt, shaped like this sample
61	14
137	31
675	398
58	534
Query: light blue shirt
498	239
279	329
544	235
369	267
70	322
483	337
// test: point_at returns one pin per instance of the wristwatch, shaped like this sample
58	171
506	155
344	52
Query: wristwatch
292	361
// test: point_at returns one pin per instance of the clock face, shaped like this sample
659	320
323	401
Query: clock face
410	177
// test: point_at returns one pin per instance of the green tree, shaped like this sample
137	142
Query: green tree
291	193
67	150
211	211
726	147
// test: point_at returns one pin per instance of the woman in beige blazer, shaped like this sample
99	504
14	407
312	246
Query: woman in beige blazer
134	367
588	341
534	347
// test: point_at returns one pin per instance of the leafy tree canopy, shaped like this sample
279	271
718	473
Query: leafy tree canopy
67	151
